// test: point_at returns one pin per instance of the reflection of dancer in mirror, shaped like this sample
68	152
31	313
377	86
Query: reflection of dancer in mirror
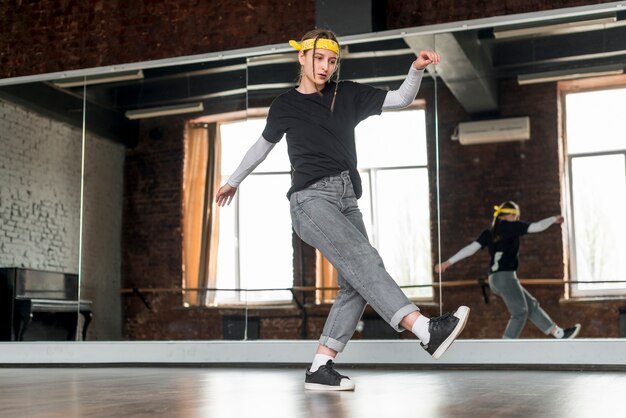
502	239
318	117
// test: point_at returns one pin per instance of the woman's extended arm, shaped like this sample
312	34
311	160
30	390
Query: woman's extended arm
464	252
544	224
255	156
404	96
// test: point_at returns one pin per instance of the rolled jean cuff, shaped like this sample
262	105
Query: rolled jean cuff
331	343
402	312
547	332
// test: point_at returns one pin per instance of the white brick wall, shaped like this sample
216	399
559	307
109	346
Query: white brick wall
39	191
40	174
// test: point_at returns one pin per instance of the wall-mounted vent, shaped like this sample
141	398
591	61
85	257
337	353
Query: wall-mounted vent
492	131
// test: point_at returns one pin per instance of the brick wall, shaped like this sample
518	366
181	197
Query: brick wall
57	35
40	175
476	177
152	244
39	191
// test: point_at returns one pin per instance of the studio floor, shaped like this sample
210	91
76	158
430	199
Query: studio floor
231	392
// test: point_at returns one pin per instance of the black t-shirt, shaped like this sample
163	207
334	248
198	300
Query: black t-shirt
505	252
320	143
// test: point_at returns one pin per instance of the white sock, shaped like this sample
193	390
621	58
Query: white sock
558	332
319	360
420	329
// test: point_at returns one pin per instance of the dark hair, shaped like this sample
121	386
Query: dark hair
495	224
316	34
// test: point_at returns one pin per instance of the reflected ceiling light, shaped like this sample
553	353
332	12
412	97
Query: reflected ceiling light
270	86
372	80
556	29
164	111
289	57
378	54
234	92
569	74
100	79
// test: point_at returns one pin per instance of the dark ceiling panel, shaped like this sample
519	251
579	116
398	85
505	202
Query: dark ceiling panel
567	47
395	65
386	45
189	69
285	72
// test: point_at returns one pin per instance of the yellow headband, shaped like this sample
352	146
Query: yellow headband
322	43
498	210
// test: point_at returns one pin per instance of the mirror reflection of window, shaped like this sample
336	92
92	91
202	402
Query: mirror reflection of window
255	240
596	149
255	249
395	202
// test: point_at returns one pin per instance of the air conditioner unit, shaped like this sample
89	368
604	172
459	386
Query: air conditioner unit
492	131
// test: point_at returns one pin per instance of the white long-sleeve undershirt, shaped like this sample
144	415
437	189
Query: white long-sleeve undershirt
255	156
465	252
473	248
395	99
404	96
541	225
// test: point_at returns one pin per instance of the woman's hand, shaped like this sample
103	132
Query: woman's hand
225	195
440	268
425	58
559	219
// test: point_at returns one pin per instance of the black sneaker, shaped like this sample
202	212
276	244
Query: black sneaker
444	329
571	332
327	378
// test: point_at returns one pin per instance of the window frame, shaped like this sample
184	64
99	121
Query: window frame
370	172
258	113
572	87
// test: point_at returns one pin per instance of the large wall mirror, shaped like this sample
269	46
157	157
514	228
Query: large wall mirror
109	176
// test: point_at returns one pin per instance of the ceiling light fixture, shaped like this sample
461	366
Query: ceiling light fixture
569	74
164	111
556	29
100	79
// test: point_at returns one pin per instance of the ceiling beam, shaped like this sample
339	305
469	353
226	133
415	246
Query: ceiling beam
464	68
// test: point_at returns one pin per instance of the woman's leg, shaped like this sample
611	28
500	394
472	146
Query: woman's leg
349	305
506	285
537	315
326	216
319	219
350	298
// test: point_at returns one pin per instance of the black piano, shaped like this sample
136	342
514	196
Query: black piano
41	305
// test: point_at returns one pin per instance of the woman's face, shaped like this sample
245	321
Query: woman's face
324	62
511	217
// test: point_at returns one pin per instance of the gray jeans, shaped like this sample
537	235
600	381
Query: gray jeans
325	215
521	304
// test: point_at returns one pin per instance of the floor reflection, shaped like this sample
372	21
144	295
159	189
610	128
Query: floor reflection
276	392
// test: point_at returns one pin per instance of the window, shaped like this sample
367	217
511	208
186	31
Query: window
596	162
255	250
255	236
396	199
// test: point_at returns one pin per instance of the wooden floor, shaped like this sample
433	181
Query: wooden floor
276	392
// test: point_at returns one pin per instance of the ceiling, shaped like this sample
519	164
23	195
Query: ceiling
474	61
